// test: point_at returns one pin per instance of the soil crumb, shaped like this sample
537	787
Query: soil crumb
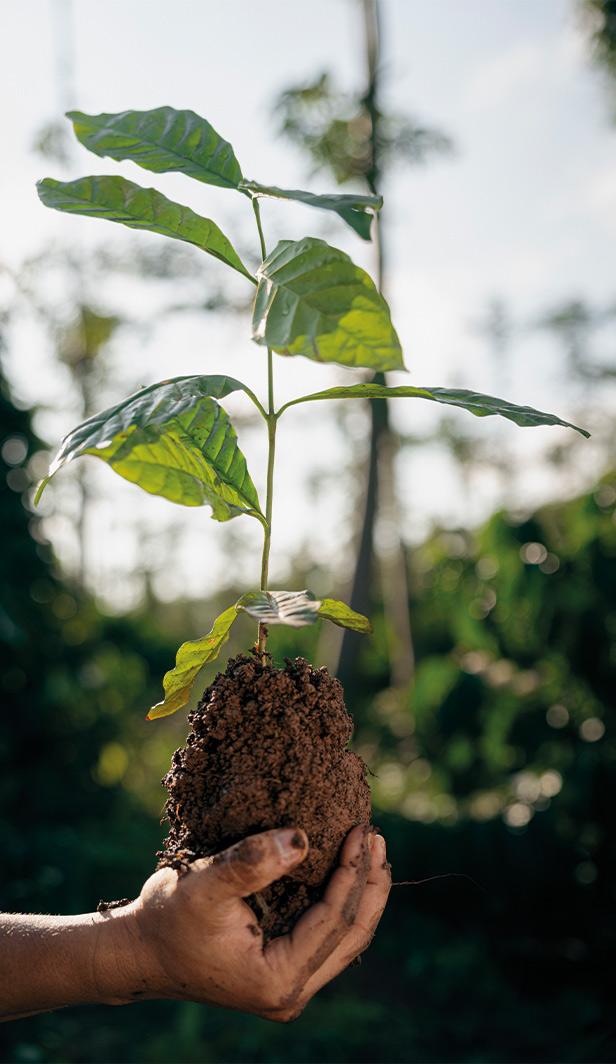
267	749
105	906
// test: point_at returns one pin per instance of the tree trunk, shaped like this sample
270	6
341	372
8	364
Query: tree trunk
380	492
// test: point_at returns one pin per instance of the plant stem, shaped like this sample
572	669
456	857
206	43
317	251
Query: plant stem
271	454
256	208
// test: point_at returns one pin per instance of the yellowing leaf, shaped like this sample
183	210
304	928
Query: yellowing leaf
190	659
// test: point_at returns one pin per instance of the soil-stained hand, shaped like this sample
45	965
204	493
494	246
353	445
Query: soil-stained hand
194	938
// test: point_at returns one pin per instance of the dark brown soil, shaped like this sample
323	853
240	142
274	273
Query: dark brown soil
268	748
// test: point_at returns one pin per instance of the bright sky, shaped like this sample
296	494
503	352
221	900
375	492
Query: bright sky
524	210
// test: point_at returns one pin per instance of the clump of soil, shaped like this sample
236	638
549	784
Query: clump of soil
268	748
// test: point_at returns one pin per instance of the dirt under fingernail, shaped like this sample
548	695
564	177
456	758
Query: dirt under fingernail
269	748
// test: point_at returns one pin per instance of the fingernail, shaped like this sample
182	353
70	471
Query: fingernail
291	843
378	843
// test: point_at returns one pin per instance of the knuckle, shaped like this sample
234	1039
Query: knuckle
360	942
237	864
160	888
363	945
235	873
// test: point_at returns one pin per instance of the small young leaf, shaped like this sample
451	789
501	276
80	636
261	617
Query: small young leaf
478	404
190	659
119	200
343	615
161	140
172	439
293	608
354	210
313	300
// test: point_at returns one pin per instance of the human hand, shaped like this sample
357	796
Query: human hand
192	937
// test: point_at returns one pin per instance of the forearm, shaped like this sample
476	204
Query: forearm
47	962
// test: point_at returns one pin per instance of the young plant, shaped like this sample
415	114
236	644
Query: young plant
174	438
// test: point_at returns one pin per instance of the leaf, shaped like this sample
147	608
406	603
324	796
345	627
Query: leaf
313	300
293	608
119	200
343	615
354	210
190	659
478	404
172	439
161	140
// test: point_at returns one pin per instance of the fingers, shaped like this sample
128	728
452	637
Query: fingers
369	912
253	863
318	933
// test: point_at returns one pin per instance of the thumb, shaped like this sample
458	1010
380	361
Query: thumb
255	862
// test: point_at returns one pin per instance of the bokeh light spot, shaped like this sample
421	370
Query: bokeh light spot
592	730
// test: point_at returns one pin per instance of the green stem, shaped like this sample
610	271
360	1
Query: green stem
271	437
256	208
271	454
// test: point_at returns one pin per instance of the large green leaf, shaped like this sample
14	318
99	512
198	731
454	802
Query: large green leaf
478	404
161	140
313	300
119	200
190	659
343	615
356	211
172	439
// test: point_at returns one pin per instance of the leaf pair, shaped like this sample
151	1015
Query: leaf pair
299	608
292	608
165	140
312	299
175	440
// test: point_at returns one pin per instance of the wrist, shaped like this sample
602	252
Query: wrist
122	967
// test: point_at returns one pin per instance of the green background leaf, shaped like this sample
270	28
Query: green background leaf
293	608
313	300
119	200
172	439
478	404
190	659
343	615
161	140
354	210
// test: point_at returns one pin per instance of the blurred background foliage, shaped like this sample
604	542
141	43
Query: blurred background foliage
490	748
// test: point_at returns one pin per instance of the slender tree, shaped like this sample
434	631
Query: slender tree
355	139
